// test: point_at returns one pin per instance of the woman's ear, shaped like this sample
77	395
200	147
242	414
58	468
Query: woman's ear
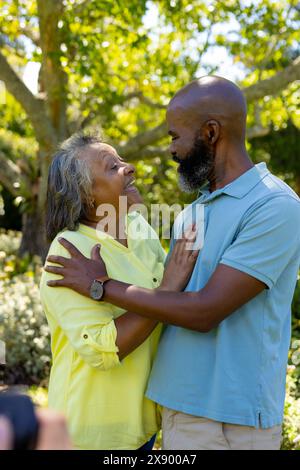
211	131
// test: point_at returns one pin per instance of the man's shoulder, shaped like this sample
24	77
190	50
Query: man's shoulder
273	207
274	186
272	194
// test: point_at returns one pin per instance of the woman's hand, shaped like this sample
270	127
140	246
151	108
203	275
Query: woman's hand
181	263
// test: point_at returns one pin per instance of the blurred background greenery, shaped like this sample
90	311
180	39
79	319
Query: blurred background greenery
113	65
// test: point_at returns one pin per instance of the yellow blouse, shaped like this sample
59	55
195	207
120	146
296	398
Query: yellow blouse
103	398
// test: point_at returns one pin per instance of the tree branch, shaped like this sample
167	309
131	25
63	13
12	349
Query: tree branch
274	84
257	131
30	34
34	107
207	43
135	144
150	154
78	8
270	86
141	97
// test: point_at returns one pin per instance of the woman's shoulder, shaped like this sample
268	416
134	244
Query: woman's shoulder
73	236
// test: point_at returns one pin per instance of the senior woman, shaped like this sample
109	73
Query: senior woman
102	355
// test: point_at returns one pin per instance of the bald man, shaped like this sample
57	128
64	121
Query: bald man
221	365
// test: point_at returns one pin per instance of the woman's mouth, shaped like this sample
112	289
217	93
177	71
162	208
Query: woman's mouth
130	186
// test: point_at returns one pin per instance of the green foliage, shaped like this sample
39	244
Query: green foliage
9	242
291	424
23	325
23	329
13	118
281	150
11	264
122	69
109	52
296	311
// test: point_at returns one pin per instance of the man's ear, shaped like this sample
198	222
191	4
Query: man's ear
211	131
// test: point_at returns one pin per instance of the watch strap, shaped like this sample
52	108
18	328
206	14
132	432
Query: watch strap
102	279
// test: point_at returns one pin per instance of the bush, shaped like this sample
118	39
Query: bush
11	263
291	423
296	311
25	332
9	242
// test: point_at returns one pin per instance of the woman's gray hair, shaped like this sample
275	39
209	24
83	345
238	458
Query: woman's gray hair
69	185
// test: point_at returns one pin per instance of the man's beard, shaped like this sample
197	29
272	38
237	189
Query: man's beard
195	169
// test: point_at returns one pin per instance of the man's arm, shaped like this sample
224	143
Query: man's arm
226	291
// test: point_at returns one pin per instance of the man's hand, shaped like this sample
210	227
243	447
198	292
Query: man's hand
78	272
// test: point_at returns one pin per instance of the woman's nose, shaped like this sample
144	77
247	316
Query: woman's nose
129	169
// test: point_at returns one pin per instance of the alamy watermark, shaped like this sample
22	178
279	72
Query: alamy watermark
159	218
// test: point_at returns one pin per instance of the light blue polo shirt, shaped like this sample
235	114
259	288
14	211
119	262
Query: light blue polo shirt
236	373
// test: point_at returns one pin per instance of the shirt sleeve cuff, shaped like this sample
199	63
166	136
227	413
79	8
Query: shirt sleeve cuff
246	269
104	346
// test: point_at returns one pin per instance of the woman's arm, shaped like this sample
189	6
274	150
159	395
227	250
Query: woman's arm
132	331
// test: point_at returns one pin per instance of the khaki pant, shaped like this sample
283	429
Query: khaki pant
186	432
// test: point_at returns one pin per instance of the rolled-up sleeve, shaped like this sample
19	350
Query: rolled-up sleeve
100	350
88	325
91	331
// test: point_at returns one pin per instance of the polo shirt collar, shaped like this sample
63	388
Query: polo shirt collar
239	187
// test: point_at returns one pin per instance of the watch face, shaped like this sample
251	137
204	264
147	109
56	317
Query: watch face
96	290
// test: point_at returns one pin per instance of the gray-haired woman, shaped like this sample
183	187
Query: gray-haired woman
102	355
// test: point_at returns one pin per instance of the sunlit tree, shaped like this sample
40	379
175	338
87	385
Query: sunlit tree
102	65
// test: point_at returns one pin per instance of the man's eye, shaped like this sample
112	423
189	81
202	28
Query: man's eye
114	166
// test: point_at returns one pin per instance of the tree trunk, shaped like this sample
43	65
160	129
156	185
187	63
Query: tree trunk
34	240
33	233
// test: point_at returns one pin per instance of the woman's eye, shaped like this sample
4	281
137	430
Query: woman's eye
114	166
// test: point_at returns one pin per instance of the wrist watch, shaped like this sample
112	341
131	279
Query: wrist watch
97	287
